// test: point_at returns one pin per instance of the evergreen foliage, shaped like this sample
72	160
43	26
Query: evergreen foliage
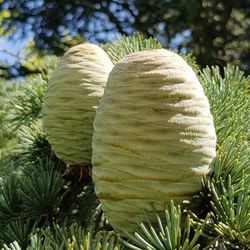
26	102
70	238
169	235
126	45
44	205
33	143
229	214
228	187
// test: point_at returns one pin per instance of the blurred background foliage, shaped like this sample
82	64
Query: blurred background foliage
216	31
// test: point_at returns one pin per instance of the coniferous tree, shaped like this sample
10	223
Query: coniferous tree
44	205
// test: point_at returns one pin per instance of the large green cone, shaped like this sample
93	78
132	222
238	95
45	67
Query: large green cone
73	93
154	137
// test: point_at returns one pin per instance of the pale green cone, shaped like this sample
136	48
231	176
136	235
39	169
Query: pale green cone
154	137
73	93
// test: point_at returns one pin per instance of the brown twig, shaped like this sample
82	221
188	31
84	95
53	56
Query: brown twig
79	176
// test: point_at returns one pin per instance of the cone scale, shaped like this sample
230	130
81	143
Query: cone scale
153	139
